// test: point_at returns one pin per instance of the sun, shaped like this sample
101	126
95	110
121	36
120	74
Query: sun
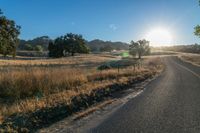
159	37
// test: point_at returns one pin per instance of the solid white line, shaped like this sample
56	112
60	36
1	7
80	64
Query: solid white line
187	69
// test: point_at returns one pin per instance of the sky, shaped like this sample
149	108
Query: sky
114	20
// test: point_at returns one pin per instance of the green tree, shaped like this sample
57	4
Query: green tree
38	48
9	33
68	44
28	47
197	30
51	49
139	48
106	48
74	43
56	48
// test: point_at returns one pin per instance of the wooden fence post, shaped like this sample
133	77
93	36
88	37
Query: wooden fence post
118	69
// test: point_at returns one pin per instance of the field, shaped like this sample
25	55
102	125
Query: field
31	89
191	58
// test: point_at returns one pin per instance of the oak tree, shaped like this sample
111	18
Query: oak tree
139	48
9	33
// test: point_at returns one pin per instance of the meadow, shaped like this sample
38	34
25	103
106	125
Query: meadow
191	58
28	86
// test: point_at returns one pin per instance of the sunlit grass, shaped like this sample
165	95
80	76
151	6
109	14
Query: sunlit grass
27	89
193	59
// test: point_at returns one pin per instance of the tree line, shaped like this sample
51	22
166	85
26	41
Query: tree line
41	44
106	46
195	48
37	44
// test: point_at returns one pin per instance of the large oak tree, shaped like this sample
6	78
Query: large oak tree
9	33
68	44
139	48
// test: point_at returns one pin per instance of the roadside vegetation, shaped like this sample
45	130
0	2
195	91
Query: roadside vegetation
193	59
39	95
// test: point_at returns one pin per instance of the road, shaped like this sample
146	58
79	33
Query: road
170	104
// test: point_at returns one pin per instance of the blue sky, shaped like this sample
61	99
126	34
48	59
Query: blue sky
115	20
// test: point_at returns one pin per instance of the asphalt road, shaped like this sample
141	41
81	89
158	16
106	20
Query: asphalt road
170	104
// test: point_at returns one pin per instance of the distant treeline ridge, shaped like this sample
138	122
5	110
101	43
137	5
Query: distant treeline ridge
41	44
195	48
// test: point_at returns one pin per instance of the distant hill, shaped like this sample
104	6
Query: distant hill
94	45
31	45
100	45
195	48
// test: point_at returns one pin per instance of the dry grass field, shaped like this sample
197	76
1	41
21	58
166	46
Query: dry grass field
90	59
27	86
193	59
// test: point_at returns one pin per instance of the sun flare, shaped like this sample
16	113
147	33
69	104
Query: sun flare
159	37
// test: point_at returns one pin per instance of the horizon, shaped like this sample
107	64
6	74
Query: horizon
105	20
118	41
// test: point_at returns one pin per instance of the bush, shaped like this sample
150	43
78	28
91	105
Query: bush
104	67
118	64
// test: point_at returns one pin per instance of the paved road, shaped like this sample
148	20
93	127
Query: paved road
170	104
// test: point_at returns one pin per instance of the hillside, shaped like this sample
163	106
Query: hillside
94	45
195	48
31	45
100	45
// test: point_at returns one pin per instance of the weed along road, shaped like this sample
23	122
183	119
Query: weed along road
170	104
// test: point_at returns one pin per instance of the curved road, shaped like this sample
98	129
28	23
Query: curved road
170	104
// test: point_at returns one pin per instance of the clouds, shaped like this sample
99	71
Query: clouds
113	27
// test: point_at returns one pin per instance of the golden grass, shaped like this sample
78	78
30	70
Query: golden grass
27	89
24	83
76	60
56	90
193	59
